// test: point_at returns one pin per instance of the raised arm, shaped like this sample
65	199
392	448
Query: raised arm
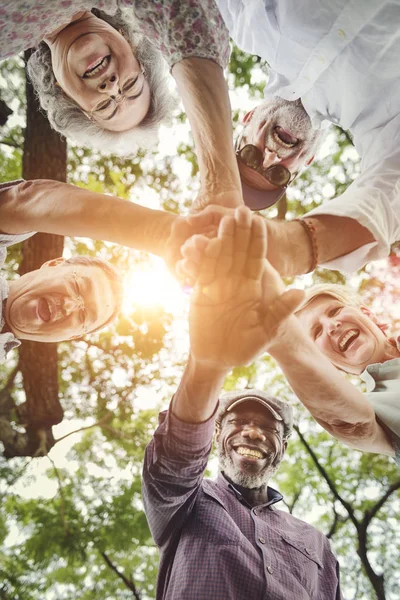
204	93
334	402
226	329
48	206
228	314
290	250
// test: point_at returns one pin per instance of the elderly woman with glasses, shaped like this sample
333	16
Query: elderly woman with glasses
99	68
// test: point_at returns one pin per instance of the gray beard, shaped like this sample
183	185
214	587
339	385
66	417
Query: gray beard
246	480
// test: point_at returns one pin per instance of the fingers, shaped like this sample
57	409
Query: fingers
187	269
239	249
242	235
209	216
257	248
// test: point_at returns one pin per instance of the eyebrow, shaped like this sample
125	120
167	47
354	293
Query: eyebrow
128	98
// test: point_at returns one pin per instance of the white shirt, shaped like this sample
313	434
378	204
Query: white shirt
342	58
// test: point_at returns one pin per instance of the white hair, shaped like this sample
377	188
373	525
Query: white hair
69	120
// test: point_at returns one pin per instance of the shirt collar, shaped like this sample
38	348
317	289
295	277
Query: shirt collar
273	495
375	372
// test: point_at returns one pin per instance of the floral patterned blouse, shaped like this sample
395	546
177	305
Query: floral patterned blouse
180	29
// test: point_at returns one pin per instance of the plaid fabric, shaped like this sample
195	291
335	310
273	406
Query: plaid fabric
213	545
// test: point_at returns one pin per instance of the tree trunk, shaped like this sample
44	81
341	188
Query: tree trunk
45	157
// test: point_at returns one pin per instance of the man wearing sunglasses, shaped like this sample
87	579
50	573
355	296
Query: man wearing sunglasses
277	142
329	62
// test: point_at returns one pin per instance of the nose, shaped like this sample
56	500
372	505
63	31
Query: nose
330	324
270	158
71	305
110	85
252	432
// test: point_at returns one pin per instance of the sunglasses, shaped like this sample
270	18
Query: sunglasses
252	157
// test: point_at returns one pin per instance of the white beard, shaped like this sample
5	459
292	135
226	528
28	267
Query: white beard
246	480
290	116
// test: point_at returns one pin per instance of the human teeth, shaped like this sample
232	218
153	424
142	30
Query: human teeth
249	452
50	308
91	72
345	339
281	142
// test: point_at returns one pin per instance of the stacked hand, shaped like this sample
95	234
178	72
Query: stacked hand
239	301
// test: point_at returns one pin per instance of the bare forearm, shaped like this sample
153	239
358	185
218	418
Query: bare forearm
53	207
334	402
197	395
205	96
289	248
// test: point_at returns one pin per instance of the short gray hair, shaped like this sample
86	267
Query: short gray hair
343	294
69	120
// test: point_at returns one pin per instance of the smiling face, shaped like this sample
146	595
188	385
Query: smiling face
250	445
349	336
282	131
59	301
92	63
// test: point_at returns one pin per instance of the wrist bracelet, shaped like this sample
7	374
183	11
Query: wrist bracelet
309	228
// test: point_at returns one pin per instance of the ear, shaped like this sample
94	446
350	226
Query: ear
247	116
382	326
54	262
310	161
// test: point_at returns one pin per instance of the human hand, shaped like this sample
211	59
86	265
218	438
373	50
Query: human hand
230	321
205	222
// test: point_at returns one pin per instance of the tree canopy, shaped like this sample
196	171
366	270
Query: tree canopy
72	523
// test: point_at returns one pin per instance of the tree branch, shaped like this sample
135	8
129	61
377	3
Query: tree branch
370	514
328	480
60	487
107	417
10	142
128	582
377	580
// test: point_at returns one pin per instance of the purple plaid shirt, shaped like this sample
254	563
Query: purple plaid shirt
213	545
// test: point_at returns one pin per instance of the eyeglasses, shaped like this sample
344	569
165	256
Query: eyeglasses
133	85
252	157
81	302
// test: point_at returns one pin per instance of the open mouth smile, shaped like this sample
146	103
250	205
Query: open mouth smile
49	309
347	339
97	68
248	452
284	138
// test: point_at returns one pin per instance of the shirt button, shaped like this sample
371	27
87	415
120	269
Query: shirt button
261	540
270	570
255	512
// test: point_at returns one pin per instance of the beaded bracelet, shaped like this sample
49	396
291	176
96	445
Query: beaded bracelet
309	228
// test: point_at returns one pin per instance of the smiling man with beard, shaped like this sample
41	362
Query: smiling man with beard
277	143
225	539
334	62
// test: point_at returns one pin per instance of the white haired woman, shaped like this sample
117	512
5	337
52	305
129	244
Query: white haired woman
356	341
99	68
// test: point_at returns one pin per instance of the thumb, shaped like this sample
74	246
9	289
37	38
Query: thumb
282	307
